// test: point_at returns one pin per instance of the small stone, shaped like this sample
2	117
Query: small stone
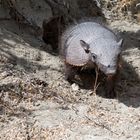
5	74
75	87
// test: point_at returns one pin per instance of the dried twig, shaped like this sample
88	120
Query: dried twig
96	79
101	125
6	106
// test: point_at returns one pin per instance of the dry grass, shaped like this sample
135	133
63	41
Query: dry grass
122	9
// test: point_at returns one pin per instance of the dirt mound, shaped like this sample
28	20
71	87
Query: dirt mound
36	102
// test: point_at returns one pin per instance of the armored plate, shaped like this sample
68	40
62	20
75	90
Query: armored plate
75	55
102	42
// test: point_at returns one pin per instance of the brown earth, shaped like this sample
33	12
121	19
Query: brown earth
36	103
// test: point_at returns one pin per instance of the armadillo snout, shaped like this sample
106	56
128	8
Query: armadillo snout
107	69
110	71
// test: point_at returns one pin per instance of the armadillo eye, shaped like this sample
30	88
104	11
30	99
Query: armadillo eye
108	66
94	56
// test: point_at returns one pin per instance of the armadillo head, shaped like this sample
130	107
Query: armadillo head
104	53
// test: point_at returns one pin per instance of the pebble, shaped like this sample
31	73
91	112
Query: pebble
75	87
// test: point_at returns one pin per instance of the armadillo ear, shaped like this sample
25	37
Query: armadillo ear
85	46
120	43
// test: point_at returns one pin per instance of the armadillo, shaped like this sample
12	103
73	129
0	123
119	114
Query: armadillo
92	44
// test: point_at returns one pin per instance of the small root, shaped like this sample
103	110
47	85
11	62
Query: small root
96	85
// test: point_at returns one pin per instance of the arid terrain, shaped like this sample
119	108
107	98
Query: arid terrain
37	103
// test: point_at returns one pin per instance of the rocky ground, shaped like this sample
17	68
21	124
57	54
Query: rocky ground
36	103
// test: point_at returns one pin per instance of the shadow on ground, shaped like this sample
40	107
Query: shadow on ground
19	52
130	76
129	85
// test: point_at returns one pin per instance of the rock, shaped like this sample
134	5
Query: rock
75	87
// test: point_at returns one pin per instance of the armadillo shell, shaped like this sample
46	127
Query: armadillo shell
76	56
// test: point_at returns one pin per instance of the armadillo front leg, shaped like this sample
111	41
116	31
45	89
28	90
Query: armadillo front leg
70	73
110	86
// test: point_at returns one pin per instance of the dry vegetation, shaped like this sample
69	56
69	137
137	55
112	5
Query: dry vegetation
123	9
36	103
